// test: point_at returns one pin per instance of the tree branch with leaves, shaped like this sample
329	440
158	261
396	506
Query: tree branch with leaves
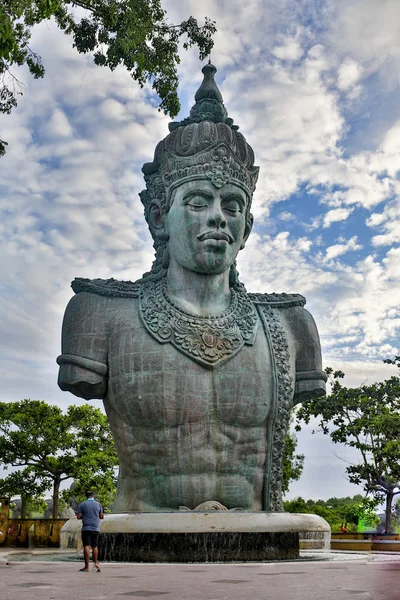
133	33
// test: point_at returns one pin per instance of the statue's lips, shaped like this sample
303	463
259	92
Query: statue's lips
215	235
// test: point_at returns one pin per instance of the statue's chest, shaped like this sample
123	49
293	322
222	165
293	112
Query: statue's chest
153	384
207	340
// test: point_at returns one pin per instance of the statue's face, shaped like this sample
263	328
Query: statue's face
206	226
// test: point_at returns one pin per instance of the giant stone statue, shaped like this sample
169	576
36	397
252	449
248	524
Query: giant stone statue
197	376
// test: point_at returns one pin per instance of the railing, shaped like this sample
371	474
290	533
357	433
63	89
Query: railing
31	533
365	542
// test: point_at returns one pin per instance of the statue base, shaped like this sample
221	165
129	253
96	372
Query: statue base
186	537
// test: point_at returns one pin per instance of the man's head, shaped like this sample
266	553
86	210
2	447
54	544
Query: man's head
89	494
203	152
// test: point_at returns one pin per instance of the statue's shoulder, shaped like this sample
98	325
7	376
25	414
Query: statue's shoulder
278	300
107	287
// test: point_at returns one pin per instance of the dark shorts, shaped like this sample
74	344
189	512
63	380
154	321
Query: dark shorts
90	538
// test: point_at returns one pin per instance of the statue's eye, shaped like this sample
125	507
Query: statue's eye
197	203
232	206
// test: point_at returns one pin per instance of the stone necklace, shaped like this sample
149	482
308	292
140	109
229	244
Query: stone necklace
208	340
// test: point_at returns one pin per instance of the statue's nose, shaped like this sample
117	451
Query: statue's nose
216	217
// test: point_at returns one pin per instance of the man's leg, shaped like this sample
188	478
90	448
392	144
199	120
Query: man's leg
95	551
86	549
86	556
95	554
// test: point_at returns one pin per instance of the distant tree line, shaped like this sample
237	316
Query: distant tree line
356	514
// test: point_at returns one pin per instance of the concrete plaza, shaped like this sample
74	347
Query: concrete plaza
350	576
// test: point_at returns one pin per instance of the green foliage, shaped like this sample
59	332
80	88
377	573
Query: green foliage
36	507
356	512
102	484
25	484
366	418
53	446
396	517
298	505
292	463
133	33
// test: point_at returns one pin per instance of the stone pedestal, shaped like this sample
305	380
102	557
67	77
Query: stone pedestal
216	536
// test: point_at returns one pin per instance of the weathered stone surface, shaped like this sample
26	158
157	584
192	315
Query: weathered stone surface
204	522
198	377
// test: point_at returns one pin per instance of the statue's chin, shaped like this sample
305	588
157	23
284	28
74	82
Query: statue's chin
212	263
214	269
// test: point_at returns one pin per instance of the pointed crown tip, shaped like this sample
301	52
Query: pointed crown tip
209	67
208	87
209	104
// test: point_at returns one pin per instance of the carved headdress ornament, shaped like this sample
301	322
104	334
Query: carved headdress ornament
205	145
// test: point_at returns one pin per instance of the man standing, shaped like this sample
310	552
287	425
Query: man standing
90	512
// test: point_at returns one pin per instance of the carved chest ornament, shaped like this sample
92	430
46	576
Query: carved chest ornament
209	340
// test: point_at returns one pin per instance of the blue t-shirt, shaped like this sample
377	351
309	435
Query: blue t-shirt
90	511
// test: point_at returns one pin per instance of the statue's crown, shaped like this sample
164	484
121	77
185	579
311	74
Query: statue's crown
205	145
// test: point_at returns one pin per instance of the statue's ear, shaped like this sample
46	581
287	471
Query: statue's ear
247	230
156	219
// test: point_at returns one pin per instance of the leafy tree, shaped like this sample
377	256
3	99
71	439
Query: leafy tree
337	511
298	505
132	33
292	463
55	446
396	516
366	418
318	507
24	483
103	484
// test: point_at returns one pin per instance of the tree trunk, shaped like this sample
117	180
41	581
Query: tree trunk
56	493
24	506
388	512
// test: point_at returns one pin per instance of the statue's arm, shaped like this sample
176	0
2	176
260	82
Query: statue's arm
83	362
310	378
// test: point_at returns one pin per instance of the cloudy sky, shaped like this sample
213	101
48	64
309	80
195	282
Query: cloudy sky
314	86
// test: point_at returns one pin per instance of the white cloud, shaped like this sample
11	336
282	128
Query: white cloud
387	223
349	74
367	31
335	215
286	216
289	47
58	125
339	249
391	143
375	219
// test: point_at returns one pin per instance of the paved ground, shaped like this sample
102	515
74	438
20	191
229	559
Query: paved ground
344	577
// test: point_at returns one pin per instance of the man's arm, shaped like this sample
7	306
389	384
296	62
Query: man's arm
79	516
